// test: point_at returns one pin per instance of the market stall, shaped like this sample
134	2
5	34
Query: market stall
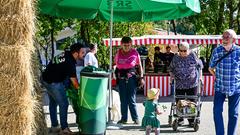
162	80
171	39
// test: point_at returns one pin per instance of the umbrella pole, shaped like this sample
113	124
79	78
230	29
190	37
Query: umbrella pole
110	65
110	124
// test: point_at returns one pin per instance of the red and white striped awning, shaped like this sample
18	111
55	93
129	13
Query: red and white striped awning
171	39
163	83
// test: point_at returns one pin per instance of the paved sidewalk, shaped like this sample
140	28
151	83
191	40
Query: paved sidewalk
206	126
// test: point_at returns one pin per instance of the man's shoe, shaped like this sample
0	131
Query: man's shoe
136	122
54	129
122	122
66	131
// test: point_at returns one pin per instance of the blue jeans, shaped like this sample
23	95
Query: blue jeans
57	96
127	92
233	109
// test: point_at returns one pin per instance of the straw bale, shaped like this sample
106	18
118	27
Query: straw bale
16	22
16	87
17	99
40	126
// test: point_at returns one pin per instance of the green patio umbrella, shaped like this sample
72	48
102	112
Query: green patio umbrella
120	10
123	10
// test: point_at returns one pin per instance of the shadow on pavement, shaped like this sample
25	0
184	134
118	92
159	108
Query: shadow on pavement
76	133
69	112
132	127
181	129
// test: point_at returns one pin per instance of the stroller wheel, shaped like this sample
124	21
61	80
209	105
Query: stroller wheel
170	120
175	125
196	127
198	121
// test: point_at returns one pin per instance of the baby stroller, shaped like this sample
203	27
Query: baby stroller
185	109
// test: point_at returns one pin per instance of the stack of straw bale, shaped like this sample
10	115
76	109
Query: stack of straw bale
41	126
16	81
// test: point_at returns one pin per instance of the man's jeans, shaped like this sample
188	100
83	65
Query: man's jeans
127	92
57	96
233	109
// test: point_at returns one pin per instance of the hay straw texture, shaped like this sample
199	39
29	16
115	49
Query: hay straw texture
40	123
16	22
16	81
16	85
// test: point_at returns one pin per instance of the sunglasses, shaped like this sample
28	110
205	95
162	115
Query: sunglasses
182	50
226	37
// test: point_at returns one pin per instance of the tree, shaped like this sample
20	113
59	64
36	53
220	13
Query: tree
94	31
47	28
238	18
90	31
215	17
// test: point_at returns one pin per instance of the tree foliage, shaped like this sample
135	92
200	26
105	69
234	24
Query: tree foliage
89	31
46	26
215	17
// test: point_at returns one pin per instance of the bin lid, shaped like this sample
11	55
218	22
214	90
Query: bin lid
95	74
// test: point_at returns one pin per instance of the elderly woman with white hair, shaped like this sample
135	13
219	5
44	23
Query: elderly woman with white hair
184	68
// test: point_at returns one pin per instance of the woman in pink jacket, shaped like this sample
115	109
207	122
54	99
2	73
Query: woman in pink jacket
126	61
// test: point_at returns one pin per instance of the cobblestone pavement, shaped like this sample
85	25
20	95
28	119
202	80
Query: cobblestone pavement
206	126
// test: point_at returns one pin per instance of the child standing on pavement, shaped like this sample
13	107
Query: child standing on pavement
150	120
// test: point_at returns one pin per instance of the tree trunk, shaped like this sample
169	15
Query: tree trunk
219	22
83	31
238	18
87	30
231	10
174	27
46	55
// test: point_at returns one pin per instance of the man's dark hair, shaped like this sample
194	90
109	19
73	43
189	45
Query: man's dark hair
126	40
157	48
168	47
76	47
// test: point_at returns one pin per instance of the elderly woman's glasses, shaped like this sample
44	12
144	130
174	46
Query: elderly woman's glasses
182	50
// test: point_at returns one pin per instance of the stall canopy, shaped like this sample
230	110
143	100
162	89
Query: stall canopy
171	39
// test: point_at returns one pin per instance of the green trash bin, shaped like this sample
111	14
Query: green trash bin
92	102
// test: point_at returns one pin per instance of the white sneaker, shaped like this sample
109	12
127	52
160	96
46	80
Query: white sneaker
66	131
